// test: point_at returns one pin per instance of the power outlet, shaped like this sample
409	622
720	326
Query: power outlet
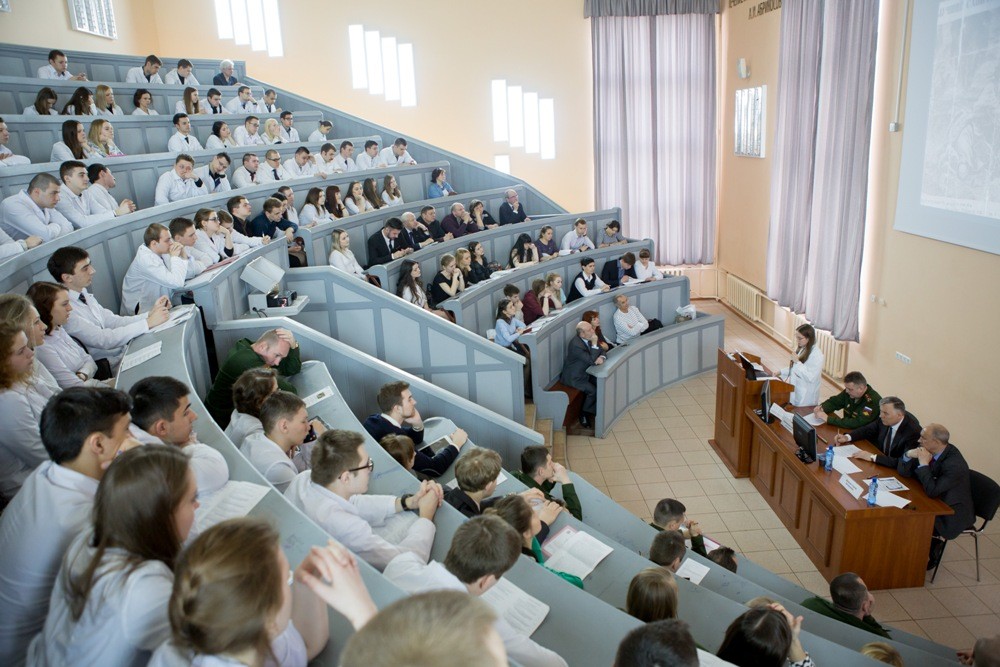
902	357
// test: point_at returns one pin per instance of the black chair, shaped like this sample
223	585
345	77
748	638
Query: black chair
985	501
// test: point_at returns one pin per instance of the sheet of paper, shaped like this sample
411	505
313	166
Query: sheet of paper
453	484
178	315
778	412
846	450
521	611
852	487
844	465
133	359
316	397
396	527
887	483
885	498
693	571
813	420
577	553
233	500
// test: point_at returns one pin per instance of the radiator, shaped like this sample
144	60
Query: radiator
834	351
744	297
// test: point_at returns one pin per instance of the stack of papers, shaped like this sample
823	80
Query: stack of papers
521	611
574	552
846	450
178	315
133	359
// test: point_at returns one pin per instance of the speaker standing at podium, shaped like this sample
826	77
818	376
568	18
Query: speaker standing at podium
806	369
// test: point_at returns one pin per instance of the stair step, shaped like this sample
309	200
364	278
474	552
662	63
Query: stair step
544	426
529	414
559	453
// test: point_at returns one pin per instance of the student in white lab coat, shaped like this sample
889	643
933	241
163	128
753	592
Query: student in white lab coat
238	601
109	603
805	369
68	361
250	390
279	452
83	430
161	265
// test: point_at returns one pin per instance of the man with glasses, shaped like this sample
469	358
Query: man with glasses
288	133
213	174
243	102
334	495
247	135
273	169
511	211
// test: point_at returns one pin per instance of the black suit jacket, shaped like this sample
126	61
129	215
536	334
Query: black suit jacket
378	251
426	461
579	357
946	479
876	433
461	501
609	274
410	239
507	215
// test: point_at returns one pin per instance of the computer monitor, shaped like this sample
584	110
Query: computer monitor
805	438
765	402
751	372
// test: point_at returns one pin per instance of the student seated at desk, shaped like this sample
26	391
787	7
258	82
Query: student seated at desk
278	452
275	348
235	596
600	340
539	471
668	549
18	310
652	595
621	271
858	400
400	416
765	637
724	557
83	430
611	235
65	358
401	448
183	231
482	550
334	495
249	391
671	514
532	526
161	265
508	328
661	643
851	603
476	473
586	283
805	370
109	603
645	269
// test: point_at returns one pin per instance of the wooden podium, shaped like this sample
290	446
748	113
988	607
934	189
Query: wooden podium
733	394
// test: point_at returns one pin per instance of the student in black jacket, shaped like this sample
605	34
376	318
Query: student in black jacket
894	432
617	272
383	246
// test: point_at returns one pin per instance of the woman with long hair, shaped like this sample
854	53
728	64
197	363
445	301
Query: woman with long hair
236	599
532	526
70	364
480	216
524	252
210	237
334	204
101	140
463	258
80	104
104	101
221	137
552	297
765	636
142	100
74	144
594	319
355	200
448	282
341	255
368	190
44	104
508	328
19	310
109	604
652	595
531	307
190	103
391	196
272	132
410	287
479	268
805	369
314	210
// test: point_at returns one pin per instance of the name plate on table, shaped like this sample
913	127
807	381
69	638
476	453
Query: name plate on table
852	487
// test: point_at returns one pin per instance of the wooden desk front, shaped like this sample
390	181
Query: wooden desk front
886	546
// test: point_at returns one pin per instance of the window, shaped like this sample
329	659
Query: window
4	6
256	23
522	118
382	65
94	16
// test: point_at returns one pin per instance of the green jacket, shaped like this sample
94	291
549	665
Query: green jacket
568	492
242	358
697	541
857	412
821	606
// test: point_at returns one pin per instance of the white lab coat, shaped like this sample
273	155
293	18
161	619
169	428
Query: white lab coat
151	276
170	188
104	333
806	377
21	217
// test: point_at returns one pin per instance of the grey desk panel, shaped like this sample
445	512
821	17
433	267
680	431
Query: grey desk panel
34	136
17	94
475	308
360	227
136	175
222	294
410	338
497	243
24	61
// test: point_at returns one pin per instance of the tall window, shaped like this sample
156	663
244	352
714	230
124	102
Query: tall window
256	23
94	16
382	65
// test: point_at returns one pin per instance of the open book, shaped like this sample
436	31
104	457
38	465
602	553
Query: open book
574	552
521	611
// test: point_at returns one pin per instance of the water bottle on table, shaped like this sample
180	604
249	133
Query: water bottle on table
872	491
828	459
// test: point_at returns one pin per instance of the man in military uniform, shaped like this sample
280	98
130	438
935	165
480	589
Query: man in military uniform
858	401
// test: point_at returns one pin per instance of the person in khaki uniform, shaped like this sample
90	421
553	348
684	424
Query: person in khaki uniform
858	400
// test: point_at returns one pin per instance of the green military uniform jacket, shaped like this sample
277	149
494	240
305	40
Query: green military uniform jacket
821	606
568	492
242	358
857	412
697	541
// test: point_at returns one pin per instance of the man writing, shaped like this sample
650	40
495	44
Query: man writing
894	432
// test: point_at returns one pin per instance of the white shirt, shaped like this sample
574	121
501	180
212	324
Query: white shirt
9	247
806	377
208	465
582	288
97	198
149	112
307	170
271	461
21	217
242	177
32	111
53	506
241	426
77	209
40	374
649	271
289	650
212	248
49	72
366	161
123	621
309	215
136	75
264	107
268	174
244	138
355	209
21	448
208	183
290	135
317	136
346	262
215	143
180	143
104	333
173	78
64	357
630	324
573	241
389	159
345	164
13	160
324	167
236	105
390	200
61	153
116	110
413	576
151	276
170	187
350	521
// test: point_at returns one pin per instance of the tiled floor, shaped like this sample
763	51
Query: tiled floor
660	449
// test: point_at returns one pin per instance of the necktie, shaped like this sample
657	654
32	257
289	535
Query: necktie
82	298
215	178
186	140
275	174
253	176
888	442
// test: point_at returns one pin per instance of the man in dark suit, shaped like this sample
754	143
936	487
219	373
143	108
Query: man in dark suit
617	272
399	416
428	219
382	246
413	235
944	474
894	432
581	355
511	211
